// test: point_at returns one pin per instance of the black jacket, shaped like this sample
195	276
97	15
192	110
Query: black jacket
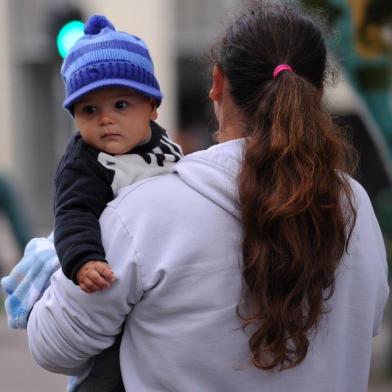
87	179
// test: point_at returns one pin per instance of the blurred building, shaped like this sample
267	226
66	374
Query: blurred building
179	34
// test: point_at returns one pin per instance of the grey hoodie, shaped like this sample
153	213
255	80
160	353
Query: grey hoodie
174	245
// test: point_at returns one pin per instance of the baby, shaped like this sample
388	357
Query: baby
112	93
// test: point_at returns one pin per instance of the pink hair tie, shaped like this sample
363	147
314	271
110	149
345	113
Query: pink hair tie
281	67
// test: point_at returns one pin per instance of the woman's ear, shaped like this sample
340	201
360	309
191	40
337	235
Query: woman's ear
215	93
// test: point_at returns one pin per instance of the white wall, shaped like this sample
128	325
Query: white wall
6	147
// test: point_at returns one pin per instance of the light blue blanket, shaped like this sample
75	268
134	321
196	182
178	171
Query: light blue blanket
27	282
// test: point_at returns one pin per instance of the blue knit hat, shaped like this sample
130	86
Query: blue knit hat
105	57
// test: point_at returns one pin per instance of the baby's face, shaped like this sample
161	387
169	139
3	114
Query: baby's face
114	119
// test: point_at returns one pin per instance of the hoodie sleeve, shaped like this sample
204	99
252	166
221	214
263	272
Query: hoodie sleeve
368	248
67	326
383	288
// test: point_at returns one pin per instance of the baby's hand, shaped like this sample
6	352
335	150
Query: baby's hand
95	276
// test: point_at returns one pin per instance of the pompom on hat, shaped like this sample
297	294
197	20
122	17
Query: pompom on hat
104	57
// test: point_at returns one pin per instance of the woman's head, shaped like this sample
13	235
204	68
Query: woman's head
294	193
261	39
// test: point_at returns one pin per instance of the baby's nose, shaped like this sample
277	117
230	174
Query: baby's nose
106	117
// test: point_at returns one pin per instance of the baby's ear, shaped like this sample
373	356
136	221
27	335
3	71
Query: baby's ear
154	111
153	103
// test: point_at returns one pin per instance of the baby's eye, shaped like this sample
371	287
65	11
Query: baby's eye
89	109
121	104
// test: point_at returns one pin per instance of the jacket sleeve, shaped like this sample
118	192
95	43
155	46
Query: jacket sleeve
67	326
367	247
82	192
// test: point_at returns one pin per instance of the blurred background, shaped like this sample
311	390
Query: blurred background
34	35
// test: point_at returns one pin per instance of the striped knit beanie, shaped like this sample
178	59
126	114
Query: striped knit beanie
105	57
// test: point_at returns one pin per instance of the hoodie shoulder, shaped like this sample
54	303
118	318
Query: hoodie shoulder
227	157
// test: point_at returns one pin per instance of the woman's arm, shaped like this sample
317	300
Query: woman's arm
67	326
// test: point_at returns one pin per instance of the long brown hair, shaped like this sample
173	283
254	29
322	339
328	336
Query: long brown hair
294	192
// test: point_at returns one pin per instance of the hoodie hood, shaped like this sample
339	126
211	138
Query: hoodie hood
213	173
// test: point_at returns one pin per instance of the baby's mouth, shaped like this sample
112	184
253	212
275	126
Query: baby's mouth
110	134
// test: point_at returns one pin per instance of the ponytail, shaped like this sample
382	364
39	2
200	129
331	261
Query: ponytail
294	190
295	228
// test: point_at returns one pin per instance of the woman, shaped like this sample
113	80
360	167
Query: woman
257	265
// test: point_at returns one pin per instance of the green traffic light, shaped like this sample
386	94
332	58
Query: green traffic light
68	35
